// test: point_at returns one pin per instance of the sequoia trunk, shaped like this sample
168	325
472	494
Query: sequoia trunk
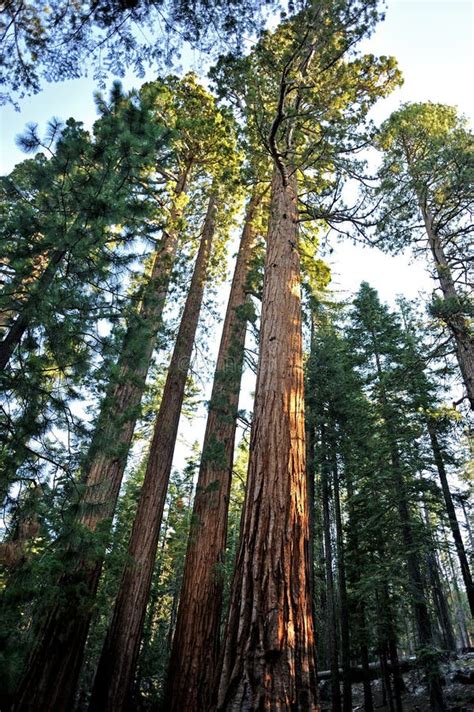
194	656
119	654
268	660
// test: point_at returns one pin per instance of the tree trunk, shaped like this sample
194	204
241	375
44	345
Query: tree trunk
398	684
360	616
456	323
420	607
467	523
119	655
448	639
419	601
195	651
53	669
364	655
457	599
387	645
268	659
310	484
332	637
441	605
453	521
344	605
387	694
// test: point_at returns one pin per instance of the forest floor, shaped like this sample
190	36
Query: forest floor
458	689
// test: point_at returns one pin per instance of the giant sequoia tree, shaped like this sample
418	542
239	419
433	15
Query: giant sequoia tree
301	94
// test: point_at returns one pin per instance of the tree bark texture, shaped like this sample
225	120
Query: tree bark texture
194	656
53	669
268	658
119	655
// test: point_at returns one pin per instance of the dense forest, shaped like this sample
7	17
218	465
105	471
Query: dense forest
311	552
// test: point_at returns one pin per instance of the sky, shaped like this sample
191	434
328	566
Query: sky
433	43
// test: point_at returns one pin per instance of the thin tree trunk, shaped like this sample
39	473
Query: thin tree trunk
441	604
310	483
398	684
447	634
195	651
387	694
388	644
51	674
420	607
456	323
453	521
466	522
332	636
344	605
268	658
119	655
360	603
458	604
148	627
364	654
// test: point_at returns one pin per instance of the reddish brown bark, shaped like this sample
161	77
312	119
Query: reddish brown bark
268	660
51	675
194	657
119	654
